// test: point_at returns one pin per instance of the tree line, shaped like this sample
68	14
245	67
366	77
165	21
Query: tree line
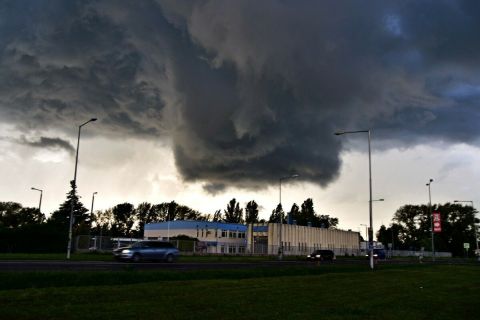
411	228
22	228
27	229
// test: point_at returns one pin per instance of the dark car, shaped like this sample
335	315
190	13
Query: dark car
378	254
321	255
147	250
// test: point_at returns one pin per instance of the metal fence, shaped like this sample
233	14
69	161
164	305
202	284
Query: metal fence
88	243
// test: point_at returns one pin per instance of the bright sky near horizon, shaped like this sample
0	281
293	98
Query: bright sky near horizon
202	102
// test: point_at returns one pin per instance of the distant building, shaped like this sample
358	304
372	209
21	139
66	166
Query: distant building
213	237
229	238
300	240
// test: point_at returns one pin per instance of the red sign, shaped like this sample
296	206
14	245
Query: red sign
437	222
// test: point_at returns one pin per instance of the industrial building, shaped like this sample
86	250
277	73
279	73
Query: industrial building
213	237
230	238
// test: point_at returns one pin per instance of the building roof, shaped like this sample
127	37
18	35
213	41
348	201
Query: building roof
193	224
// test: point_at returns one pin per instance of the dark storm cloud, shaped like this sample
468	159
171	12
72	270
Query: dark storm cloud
48	143
246	91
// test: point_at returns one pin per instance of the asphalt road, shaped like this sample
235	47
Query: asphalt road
36	265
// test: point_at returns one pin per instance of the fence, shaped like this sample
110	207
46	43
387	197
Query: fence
87	243
414	253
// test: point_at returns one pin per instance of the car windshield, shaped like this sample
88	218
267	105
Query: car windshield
138	245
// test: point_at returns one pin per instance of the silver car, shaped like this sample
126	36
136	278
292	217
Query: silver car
147	250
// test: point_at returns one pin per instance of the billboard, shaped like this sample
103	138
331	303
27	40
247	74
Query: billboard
437	223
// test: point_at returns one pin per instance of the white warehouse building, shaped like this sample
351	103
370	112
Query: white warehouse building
231	238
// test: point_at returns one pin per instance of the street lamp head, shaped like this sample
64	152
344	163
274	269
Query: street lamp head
95	192
293	176
93	119
339	133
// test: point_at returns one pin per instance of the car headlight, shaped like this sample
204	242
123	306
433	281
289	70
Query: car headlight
308	256
317	256
126	251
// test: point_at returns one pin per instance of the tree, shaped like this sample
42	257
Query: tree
276	215
217	216
172	209
325	221
123	219
146	213
103	221
411	221
414	227
233	214
307	214
81	220
390	235
251	212
13	215
294	214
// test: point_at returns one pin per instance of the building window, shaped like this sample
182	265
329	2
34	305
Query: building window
241	249
224	233
232	249
222	248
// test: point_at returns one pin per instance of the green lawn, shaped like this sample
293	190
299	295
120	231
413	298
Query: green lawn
326	292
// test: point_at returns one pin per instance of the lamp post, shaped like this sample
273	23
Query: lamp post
168	225
474	225
280	251
91	220
69	246
370	233
91	210
40	203
431	217
366	230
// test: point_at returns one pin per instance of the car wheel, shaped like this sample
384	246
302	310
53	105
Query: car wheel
169	258
136	258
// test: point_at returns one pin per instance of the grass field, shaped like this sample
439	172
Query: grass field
327	292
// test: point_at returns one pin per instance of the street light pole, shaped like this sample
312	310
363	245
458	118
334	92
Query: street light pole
91	210
280	245
474	225
40	203
431	217
366	230
74	186
91	220
370	233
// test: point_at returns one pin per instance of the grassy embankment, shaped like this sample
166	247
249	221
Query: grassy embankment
327	292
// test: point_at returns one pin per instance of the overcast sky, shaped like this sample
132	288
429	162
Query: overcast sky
203	101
